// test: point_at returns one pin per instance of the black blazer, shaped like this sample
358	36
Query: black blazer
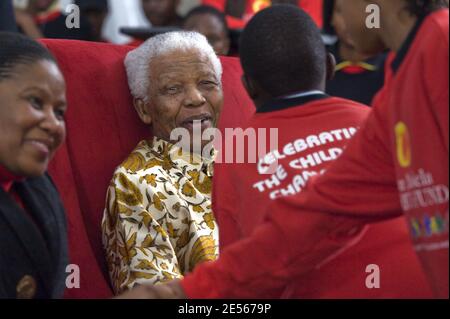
33	254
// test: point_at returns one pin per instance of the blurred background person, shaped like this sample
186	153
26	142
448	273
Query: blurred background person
358	76
123	14
212	24
46	18
130	14
95	12
162	13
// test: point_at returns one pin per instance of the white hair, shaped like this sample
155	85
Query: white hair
137	61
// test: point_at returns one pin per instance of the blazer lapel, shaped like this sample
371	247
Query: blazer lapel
28	233
36	198
43	199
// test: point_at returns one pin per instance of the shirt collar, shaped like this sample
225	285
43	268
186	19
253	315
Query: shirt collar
291	100
7	179
174	154
403	52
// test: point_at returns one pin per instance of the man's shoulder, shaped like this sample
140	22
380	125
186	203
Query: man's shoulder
433	35
346	103
332	109
140	162
337	108
348	108
438	21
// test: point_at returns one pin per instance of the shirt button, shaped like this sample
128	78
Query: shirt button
26	288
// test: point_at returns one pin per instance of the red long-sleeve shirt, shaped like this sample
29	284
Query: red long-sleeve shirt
312	7
310	136
312	131
398	162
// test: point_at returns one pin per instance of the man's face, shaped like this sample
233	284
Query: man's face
183	88
96	19
160	12
353	25
213	29
339	25
32	127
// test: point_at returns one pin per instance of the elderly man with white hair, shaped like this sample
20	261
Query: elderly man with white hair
158	223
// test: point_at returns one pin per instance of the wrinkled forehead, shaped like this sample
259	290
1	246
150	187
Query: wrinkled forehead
180	61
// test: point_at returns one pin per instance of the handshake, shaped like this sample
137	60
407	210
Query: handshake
171	290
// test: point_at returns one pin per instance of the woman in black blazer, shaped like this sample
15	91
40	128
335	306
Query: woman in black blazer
33	243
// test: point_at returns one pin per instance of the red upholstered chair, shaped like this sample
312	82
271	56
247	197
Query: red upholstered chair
102	129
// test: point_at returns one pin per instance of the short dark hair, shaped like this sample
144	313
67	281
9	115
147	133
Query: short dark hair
17	49
282	50
204	9
424	7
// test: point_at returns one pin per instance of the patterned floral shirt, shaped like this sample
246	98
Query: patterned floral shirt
158	223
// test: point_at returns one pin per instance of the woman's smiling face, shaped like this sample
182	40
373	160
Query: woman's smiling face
32	108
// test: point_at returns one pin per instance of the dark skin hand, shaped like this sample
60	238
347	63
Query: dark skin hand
27	24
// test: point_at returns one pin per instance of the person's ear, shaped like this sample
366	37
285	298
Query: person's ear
143	110
249	87
331	66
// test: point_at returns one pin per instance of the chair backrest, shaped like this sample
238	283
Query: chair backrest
102	129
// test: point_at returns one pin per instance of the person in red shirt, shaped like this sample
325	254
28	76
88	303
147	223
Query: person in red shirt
359	77
396	165
239	12
313	130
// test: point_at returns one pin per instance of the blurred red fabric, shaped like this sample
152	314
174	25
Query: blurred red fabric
102	129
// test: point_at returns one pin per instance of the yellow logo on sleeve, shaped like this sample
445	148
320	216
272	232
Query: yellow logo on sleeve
403	142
